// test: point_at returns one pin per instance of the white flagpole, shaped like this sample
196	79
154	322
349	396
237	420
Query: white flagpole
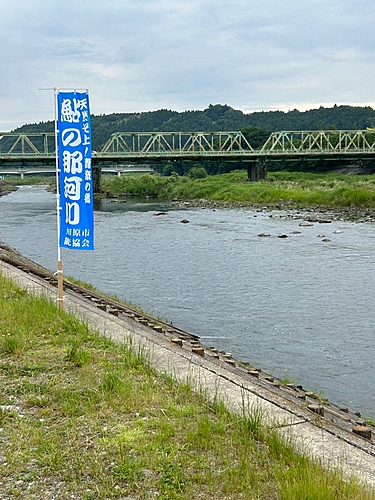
58	209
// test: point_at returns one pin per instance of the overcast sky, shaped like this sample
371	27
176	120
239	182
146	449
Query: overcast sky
143	55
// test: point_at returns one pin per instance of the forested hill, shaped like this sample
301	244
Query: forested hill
222	118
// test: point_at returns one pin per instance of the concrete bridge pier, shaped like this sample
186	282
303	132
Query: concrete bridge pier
257	171
96	179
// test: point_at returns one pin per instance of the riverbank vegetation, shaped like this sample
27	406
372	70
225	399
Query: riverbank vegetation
295	189
84	418
5	187
11	181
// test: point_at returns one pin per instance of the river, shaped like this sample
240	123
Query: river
297	307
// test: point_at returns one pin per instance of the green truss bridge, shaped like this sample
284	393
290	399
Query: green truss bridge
155	147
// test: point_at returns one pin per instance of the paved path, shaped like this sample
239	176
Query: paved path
331	445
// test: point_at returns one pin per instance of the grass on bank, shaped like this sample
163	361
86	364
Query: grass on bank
82	417
301	189
5	187
28	180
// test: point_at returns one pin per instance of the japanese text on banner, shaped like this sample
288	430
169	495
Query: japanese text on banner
76	193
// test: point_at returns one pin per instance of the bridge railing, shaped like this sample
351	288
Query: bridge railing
27	145
133	145
320	142
176	143
142	144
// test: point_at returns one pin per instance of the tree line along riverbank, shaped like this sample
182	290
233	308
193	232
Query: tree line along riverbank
83	417
256	126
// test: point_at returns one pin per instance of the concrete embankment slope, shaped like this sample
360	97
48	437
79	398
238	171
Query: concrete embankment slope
319	429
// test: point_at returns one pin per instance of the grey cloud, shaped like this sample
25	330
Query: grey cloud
183	54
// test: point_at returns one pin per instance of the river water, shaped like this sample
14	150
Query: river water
298	307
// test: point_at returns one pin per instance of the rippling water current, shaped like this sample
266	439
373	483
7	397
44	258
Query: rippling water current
297	307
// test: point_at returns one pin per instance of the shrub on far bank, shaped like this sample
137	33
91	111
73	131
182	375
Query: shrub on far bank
197	173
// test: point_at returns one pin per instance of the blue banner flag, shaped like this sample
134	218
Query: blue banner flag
75	177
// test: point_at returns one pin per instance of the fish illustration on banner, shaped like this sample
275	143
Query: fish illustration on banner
75	172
